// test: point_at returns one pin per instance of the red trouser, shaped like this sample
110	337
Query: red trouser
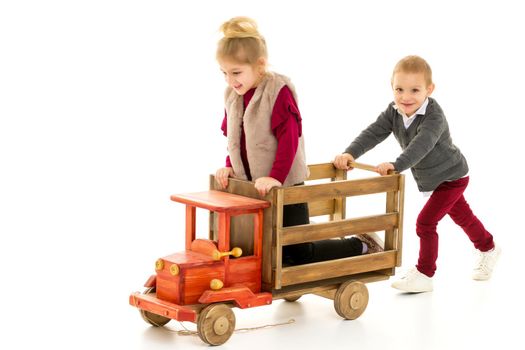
447	198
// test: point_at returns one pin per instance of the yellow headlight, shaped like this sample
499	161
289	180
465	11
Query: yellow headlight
174	269
216	284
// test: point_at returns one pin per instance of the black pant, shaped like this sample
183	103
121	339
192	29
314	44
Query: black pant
304	253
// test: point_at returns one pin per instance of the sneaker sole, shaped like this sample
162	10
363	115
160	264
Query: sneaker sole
406	290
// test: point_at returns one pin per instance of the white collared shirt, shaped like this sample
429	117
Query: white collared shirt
408	120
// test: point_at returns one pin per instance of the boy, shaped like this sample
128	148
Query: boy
438	166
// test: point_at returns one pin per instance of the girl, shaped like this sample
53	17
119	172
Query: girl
263	126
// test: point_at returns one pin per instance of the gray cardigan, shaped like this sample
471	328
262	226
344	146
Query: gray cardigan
427	146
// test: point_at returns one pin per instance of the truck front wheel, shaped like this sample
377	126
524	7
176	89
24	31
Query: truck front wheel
150	317
216	324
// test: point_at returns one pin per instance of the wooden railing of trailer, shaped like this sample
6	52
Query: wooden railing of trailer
326	192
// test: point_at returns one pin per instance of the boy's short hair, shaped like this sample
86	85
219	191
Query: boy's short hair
414	64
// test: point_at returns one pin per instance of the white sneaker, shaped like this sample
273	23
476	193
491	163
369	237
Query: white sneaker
485	264
414	282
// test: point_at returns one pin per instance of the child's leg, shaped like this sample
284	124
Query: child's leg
296	214
330	249
303	253
465	218
438	205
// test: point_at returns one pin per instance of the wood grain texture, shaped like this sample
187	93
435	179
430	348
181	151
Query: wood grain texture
333	229
336	189
335	268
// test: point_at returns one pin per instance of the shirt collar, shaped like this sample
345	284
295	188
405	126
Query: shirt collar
421	110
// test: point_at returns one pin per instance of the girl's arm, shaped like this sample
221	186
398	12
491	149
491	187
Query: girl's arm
286	126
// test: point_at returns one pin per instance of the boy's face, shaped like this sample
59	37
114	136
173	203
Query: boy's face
410	91
240	77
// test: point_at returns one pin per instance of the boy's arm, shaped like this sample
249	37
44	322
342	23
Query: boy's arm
428	135
374	134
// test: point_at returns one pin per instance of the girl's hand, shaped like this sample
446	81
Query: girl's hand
383	168
342	161
263	185
221	177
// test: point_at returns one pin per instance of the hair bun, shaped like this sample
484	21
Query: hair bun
240	27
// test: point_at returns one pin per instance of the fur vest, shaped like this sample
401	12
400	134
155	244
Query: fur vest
261	144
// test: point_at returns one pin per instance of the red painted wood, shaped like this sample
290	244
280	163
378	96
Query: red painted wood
161	307
245	271
220	201
203	246
258	232
242	296
224	239
196	280
174	288
223	231
190	225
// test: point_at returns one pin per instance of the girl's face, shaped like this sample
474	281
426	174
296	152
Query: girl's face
241	77
410	91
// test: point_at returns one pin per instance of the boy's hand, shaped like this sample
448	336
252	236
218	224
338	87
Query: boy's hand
383	168
221	177
263	185
342	161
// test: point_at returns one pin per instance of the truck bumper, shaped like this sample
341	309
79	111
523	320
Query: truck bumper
149	302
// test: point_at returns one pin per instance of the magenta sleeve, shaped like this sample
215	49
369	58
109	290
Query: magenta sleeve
286	127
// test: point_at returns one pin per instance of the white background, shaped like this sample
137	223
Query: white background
108	107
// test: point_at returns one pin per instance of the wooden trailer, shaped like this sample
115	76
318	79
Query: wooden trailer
326	191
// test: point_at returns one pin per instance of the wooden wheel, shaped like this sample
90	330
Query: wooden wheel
292	299
351	299
216	324
150	317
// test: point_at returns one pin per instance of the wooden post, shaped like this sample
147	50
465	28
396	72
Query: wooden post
224	232
190	225
400	206
390	208
212	229
258	232
278	202
224	241
339	203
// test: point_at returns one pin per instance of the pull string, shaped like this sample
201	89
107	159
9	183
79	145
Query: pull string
186	331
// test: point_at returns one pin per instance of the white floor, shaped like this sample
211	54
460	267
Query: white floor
108	107
468	315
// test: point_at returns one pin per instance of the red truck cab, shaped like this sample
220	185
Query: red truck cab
207	272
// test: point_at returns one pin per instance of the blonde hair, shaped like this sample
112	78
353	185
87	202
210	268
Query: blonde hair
414	64
242	42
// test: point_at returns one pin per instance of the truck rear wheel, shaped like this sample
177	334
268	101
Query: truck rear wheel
351	299
216	324
150	317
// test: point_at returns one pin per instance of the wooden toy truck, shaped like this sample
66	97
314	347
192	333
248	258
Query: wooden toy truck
202	283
